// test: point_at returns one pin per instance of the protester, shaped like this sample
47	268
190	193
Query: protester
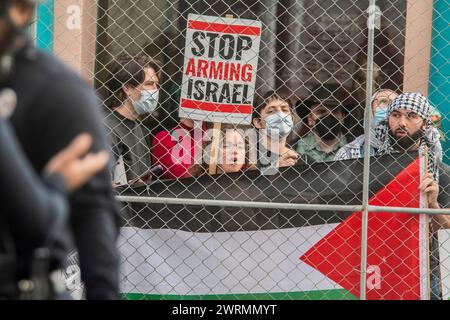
409	128
233	153
273	118
355	149
176	150
323	112
134	90
380	101
54	106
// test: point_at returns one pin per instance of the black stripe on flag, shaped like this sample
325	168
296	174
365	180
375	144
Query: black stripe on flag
337	183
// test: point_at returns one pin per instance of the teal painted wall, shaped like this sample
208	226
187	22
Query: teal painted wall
45	25
439	85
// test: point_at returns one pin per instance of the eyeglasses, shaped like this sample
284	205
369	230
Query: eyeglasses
382	100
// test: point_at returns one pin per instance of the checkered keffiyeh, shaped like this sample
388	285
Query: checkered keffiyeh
418	103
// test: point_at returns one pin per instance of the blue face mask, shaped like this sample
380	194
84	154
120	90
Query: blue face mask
380	114
147	103
280	124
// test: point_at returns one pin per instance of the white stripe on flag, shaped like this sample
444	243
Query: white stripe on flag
165	261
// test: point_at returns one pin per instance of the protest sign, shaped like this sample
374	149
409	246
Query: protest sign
220	64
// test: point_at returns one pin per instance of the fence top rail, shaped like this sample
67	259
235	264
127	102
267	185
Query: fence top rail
277	205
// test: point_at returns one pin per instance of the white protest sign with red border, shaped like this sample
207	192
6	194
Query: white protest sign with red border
220	64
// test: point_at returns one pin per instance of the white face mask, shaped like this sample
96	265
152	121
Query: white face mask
280	123
147	103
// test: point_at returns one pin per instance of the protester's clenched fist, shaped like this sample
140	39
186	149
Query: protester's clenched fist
288	158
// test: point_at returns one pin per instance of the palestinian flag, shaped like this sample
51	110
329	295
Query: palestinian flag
208	252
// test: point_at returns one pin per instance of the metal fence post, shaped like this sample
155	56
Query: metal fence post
367	121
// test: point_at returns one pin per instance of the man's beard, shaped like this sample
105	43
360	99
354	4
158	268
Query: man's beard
406	142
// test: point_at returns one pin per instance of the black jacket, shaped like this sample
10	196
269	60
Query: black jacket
33	209
55	105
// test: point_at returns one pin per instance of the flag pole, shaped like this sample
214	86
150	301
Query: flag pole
427	225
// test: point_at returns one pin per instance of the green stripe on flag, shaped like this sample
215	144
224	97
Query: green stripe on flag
338	294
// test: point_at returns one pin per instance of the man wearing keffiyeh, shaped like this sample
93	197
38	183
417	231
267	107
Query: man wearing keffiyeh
379	129
408	127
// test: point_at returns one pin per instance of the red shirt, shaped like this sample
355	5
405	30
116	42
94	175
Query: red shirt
175	151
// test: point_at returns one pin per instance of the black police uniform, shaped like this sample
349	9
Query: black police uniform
54	105
33	210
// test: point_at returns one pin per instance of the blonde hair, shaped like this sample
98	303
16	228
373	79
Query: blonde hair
200	169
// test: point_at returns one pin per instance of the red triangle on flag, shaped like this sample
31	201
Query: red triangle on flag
393	257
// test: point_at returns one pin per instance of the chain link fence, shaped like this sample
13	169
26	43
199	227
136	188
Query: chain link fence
291	217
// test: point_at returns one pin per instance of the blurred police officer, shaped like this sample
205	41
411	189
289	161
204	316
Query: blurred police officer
54	106
35	209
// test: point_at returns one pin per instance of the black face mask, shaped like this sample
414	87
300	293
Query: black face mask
328	127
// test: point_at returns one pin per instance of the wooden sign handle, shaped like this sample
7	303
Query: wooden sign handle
214	155
215	148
